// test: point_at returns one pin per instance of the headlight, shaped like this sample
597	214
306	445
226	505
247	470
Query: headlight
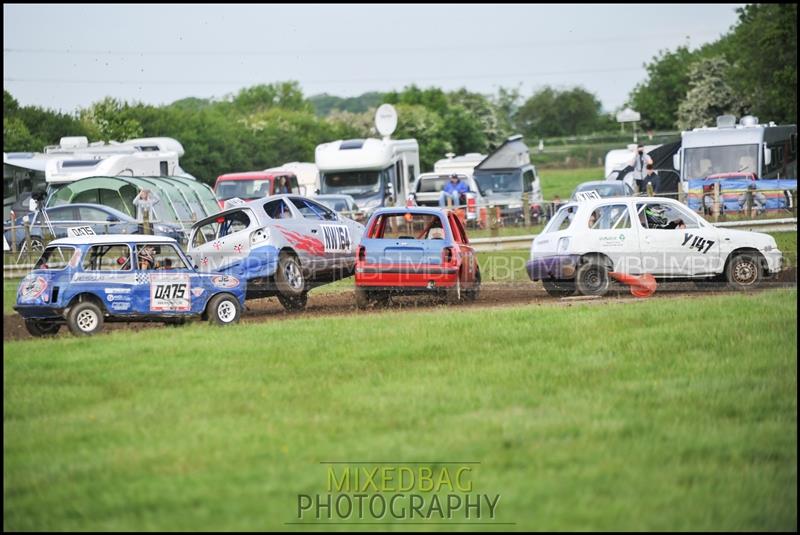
563	244
163	228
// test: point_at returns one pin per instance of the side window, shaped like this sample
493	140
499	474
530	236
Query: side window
611	217
562	220
312	210
92	215
221	226
527	179
278	209
107	258
293	184
657	216
62	214
158	256
56	257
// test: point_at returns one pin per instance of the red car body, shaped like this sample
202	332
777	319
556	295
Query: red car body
406	250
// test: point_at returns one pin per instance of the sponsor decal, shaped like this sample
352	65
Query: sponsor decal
121	305
169	293
337	238
118	297
77	232
304	243
117	278
225	281
32	287
197	292
117	290
701	244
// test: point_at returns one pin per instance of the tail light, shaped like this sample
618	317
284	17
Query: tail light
471	205
361	255
448	255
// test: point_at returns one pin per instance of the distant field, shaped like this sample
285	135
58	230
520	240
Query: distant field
562	182
666	414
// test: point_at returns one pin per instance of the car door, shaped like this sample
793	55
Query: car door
609	231
673	242
222	242
169	286
335	237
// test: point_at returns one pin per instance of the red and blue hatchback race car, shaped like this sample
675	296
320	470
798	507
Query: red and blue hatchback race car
88	280
415	250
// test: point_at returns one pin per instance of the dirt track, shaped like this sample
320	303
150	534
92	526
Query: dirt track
343	303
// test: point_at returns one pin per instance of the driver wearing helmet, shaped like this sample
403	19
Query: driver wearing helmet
146	257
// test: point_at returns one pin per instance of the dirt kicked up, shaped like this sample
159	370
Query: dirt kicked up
492	295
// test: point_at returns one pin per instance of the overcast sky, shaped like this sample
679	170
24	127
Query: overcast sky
68	56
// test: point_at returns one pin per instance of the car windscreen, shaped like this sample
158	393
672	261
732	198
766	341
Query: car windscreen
704	161
243	189
352	182
499	182
408	226
562	220
431	185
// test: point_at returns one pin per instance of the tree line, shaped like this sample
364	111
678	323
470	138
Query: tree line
751	69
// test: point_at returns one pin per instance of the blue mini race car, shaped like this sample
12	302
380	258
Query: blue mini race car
88	280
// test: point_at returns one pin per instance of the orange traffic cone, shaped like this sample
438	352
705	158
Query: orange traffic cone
643	286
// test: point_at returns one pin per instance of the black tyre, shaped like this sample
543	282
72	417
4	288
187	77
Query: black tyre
289	278
42	327
472	293
223	309
294	304
85	319
559	287
744	271
362	297
592	278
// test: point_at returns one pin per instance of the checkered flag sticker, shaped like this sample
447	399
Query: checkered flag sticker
142	278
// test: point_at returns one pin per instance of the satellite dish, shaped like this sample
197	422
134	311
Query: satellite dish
386	120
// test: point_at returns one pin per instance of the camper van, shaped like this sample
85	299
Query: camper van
764	150
375	172
507	173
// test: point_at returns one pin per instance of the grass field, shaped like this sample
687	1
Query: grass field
562	182
656	415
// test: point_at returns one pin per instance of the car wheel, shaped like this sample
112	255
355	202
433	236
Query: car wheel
37	244
289	278
592	278
294	304
362	297
559	287
85	319
744	271
472	293
224	309
42	327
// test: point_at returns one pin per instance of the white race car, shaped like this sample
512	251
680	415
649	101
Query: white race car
637	235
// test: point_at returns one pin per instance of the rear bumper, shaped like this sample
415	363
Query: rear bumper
553	267
400	276
39	312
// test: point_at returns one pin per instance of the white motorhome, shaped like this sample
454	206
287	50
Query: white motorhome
460	165
307	175
762	150
376	172
75	158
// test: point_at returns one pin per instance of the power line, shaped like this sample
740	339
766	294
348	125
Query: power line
327	51
348	80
